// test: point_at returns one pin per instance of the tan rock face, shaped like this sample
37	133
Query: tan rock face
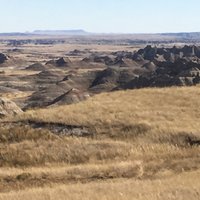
8	108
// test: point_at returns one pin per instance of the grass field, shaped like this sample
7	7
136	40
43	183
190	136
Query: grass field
140	148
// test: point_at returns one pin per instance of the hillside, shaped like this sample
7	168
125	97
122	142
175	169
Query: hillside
155	108
146	139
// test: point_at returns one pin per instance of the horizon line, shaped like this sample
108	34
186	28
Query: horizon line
39	32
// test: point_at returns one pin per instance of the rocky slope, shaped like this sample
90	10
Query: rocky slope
8	108
61	81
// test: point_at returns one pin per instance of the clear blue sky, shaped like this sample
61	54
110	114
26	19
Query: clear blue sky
122	16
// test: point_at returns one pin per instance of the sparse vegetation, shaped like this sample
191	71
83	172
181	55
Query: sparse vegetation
175	187
140	138
131	113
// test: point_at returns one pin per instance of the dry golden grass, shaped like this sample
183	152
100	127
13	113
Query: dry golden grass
70	151
168	110
182	186
139	149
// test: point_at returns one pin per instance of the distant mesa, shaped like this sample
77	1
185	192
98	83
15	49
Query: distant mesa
131	38
61	32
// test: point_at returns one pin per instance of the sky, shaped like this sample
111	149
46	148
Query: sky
101	16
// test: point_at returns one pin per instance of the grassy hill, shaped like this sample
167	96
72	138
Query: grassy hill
169	110
142	144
